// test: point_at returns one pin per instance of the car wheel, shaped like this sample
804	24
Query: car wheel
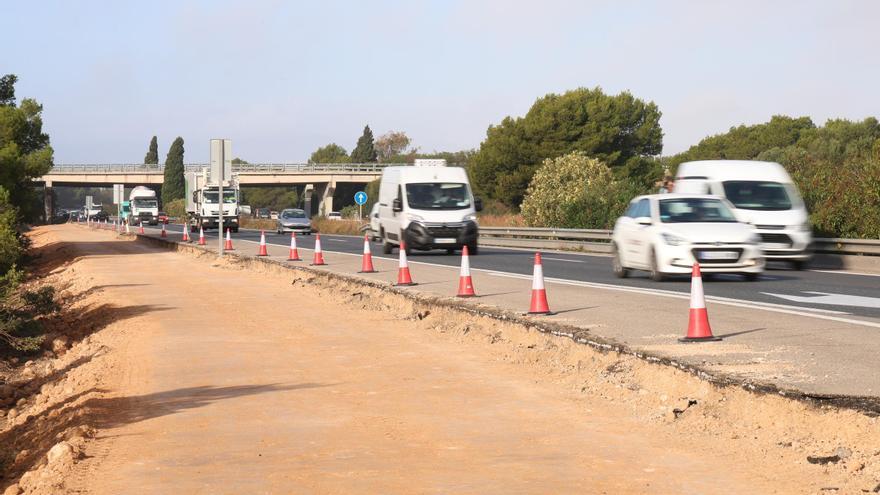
654	272
617	267
751	277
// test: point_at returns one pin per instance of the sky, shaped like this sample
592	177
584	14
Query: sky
282	78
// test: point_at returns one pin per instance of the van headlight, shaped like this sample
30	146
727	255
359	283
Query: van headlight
470	217
414	218
672	239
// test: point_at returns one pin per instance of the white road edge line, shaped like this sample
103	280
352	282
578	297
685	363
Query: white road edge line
841	272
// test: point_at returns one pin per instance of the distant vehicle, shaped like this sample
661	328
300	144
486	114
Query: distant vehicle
144	206
245	209
263	213
334	215
429	206
94	210
666	234
204	204
293	220
762	194
273	215
101	215
374	222
162	217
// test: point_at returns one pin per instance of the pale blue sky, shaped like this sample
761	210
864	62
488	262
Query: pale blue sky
282	78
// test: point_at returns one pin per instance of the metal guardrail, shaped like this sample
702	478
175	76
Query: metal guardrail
595	240
241	167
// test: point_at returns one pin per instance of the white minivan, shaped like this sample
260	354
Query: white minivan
428	206
763	195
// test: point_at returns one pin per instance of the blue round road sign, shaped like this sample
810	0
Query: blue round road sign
360	198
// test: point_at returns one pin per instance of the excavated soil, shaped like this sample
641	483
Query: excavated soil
58	435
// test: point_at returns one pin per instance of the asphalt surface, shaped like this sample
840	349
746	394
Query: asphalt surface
837	293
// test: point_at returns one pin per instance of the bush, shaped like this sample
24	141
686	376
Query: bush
19	328
575	191
176	209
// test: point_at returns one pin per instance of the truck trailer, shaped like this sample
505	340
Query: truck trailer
203	205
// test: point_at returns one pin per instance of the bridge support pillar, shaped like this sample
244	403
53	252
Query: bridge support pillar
48	201
327	198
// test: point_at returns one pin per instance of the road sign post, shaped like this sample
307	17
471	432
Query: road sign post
118	195
89	201
360	198
221	168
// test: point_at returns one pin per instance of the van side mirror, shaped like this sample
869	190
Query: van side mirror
396	205
643	220
478	204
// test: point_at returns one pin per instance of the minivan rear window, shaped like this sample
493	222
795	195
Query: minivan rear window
757	195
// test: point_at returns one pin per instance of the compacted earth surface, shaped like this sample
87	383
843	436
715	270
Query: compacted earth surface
172	372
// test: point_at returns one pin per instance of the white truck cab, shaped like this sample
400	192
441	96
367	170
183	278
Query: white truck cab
763	195
427	206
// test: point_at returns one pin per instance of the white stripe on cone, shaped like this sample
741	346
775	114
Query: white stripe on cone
465	266
402	261
292	241
538	277
366	246
698	301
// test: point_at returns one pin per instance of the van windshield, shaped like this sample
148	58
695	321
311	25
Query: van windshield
757	195
438	196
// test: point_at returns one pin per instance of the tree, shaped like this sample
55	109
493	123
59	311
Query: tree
7	90
332	153
617	130
173	186
152	156
364	152
391	144
574	191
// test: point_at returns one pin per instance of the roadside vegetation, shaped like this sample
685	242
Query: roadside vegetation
25	154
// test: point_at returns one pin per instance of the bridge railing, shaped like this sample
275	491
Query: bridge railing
111	168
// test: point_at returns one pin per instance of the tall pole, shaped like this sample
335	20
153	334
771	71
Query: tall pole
222	169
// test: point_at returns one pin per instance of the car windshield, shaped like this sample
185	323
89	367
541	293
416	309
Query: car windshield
293	214
228	197
757	195
438	196
686	210
146	203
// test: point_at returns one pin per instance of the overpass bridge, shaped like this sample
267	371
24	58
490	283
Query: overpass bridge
322	177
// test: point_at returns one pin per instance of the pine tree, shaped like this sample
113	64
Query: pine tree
152	156
173	187
364	152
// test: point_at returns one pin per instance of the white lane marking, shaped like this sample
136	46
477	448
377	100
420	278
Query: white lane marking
831	299
562	259
842	272
777	308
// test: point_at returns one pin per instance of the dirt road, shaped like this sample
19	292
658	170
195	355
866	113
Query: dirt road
234	381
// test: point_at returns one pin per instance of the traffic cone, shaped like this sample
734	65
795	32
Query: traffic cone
403	276
163	234
465	284
319	255
367	263
539	304
294	253
141	229
262	251
127	228
698	320
228	245
201	236
185	237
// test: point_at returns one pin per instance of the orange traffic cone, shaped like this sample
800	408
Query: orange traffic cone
294	253
201	236
164	234
403	275
185	237
465	284
319	255
262	251
367	263
539	304
698	321
228	245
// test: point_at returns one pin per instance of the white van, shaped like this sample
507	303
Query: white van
428	206
763	195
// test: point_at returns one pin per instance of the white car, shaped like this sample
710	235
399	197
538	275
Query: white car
334	215
666	234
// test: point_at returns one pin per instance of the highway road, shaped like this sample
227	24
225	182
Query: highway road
833	294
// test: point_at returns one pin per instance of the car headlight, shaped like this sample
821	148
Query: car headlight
754	239
414	218
672	239
471	217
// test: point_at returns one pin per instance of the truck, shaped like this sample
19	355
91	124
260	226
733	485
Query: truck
427	206
202	205
144	206
93	211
